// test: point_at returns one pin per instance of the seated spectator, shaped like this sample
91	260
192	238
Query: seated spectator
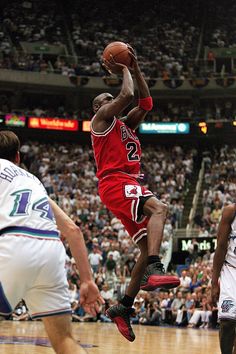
73	291
140	310
203	312
165	305
20	312
185	282
152	315
195	282
193	250
203	232
107	293
176	305
215	214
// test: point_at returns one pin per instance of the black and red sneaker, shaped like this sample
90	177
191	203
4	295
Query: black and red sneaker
155	277
121	316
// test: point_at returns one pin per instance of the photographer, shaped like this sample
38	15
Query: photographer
152	316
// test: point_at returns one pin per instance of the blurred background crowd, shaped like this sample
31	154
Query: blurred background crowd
170	37
176	43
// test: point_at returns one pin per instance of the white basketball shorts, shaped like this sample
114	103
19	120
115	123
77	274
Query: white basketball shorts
33	270
227	300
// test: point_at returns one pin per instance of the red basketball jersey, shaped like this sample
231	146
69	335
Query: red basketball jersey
116	149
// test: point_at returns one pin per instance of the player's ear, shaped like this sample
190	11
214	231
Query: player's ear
17	158
96	107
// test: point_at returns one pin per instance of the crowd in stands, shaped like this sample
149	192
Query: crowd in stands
221	30
180	111
34	21
219	187
5	44
166	48
187	306
163	111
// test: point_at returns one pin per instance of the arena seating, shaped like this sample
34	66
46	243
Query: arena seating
219	186
181	110
166	49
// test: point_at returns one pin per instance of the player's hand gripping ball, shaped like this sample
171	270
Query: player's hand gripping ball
116	53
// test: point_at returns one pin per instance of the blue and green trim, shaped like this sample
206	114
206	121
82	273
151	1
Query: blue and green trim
27	231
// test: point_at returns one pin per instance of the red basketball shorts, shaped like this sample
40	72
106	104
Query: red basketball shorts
120	193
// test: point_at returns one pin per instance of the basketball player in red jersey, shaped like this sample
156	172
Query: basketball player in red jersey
117	153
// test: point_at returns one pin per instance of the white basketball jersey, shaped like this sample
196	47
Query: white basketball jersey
24	206
231	252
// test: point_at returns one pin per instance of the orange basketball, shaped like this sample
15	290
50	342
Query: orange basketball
119	51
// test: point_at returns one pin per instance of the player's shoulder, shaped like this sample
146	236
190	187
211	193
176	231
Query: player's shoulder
229	211
123	119
230	207
4	163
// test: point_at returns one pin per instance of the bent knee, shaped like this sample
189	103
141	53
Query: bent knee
154	206
162	209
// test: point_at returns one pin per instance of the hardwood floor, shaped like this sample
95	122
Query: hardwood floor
99	338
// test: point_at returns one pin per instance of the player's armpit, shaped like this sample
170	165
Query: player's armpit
135	117
225	225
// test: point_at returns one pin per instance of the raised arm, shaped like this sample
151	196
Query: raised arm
221	249
106	107
138	113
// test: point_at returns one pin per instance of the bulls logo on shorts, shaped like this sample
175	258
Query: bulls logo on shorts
132	191
227	305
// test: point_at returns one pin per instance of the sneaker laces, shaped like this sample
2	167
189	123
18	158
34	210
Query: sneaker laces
161	267
158	265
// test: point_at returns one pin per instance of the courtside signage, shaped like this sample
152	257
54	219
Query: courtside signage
53	123
164	128
204	243
86	125
15	120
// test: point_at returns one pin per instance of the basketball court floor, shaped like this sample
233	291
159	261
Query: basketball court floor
100	338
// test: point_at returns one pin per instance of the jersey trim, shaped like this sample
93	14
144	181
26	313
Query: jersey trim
139	235
52	313
105	131
134	212
27	231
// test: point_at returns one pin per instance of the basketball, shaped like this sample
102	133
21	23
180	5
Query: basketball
119	51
